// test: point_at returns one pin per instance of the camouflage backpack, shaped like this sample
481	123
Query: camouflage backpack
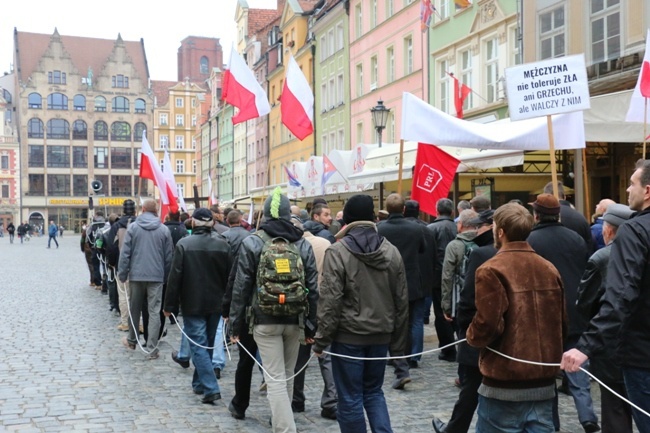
281	290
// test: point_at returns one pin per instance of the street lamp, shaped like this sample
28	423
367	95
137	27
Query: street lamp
380	116
217	174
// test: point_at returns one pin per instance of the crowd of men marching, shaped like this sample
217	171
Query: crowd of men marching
511	284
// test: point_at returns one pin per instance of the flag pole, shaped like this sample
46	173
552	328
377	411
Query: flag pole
645	126
401	163
551	143
584	181
139	192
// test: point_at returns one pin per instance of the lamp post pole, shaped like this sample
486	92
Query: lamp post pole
380	117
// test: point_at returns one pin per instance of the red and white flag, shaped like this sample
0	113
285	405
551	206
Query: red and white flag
461	92
433	174
241	90
297	102
172	189
211	198
149	169
642	90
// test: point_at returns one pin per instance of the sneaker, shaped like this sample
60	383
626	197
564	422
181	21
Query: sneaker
123	328
263	387
128	345
400	382
590	427
217	373
209	399
297	407
236	413
184	364
153	355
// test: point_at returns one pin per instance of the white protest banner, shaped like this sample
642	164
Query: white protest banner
549	87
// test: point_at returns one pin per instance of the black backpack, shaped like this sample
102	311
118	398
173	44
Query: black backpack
112	241
459	277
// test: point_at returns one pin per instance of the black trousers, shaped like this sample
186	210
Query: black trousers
244	373
467	402
444	329
97	272
616	415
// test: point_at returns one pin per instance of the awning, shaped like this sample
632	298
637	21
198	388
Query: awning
605	121
382	164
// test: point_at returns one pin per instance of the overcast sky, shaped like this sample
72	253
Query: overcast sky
162	25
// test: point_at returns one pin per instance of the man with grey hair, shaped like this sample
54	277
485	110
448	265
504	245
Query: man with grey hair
145	260
197	283
452	274
461	206
444	231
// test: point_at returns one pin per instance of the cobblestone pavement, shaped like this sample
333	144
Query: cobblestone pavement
64	369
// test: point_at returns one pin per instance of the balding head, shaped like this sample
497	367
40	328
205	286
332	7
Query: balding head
602	206
150	205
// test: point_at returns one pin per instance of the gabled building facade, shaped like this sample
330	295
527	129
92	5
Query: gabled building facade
9	156
82	105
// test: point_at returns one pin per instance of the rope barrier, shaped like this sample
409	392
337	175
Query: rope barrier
137	337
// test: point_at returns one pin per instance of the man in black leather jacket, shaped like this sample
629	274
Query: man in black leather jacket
624	316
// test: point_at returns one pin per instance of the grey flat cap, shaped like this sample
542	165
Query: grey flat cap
617	214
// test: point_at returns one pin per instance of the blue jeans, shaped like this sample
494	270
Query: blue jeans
637	383
184	351
201	329
218	353
498	416
416	319
579	387
359	386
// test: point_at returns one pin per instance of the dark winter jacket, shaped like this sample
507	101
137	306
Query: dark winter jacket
363	293
235	237
246	278
427	258
319	229
177	230
624	316
444	231
574	220
410	242
568	253
199	273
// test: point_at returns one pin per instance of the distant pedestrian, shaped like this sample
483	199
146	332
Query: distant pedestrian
52	232
11	229
61	228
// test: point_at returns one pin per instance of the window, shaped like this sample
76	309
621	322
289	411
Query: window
4	162
359	80
140	106
58	129
179	102
340	89
390	66
35	100
193	120
374	72
204	65
359	132
57	101
101	157
7	95
193	143
180	189
162	119
79	103
5	191
164	142
120	104
180	166
138	130
100	103
58	185
36	184
79	157
341	139
389	8
491	68
121	185
136	159
58	156
443	9
180	120
323	48
605	30
120	81
180	142
324	145
193	166
35	128
408	55
339	37
79	130
101	130
56	77
323	97
443	82
466	75
79	185
515	47
120	131
332	93
331	42
551	29
358	21
120	158
373	14
36	158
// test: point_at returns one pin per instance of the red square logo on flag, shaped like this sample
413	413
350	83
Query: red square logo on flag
428	178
